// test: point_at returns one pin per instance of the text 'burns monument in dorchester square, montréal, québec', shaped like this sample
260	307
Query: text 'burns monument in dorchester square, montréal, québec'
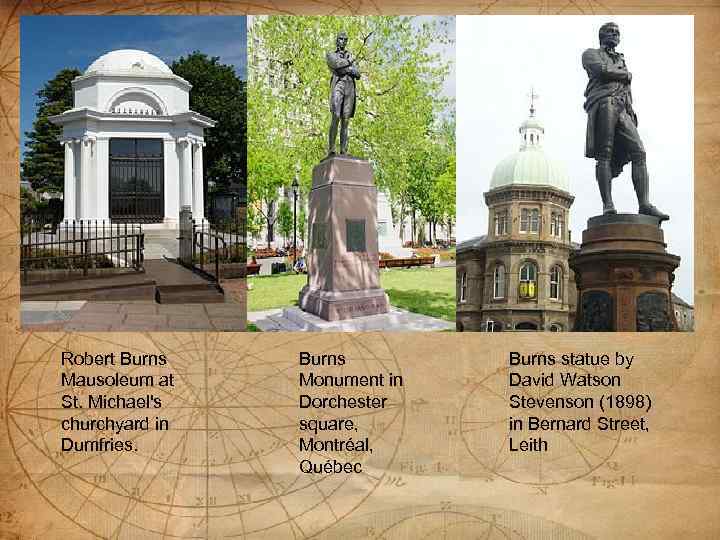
343	258
623	274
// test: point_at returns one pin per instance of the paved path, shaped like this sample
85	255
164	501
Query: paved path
160	244
165	273
131	316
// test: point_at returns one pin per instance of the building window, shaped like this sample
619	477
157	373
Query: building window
530	220
556	327
555	283
556	224
499	282
501	223
463	287
560	225
528	280
526	326
493	326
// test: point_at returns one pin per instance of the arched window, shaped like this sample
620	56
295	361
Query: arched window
463	287
555	283
528	280
499	282
526	326
555	327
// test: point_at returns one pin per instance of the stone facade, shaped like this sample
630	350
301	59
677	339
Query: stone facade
684	314
517	276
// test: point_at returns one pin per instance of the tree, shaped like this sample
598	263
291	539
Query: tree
301	223
218	93
285	219
399	99
444	195
43	162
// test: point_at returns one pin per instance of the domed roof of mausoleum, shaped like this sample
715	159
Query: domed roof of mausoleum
530	165
129	61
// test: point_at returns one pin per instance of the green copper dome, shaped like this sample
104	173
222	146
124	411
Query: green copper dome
530	166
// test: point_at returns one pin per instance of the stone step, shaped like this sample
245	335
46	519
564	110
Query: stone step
267	325
204	293
285	324
121	286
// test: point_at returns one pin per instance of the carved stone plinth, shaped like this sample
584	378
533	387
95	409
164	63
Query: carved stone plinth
624	276
342	260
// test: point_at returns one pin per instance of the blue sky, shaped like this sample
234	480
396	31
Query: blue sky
49	44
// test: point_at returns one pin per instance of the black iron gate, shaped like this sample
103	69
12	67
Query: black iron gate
136	180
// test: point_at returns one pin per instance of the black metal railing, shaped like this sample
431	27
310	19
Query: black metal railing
217	249
79	248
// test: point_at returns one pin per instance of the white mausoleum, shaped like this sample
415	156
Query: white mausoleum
133	147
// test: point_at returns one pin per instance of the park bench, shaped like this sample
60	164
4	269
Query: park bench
264	253
407	263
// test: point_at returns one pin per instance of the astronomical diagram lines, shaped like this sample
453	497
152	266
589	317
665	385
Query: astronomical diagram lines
228	464
485	420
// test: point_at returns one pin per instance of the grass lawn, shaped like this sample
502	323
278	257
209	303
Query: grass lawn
430	291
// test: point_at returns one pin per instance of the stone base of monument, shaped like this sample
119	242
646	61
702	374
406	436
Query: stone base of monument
624	276
395	320
342	259
339	305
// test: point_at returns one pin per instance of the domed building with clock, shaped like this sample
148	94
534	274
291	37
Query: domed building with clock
516	276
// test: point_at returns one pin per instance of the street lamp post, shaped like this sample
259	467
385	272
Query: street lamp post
295	187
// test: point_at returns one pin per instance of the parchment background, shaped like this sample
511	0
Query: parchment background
427	478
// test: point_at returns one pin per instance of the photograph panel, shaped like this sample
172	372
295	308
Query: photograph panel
351	199
574	149
133	173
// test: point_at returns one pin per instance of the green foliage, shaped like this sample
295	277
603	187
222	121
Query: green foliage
285	219
397	125
254	222
218	93
43	162
301	222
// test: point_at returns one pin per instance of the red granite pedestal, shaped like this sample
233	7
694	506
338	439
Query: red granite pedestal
624	276
343	260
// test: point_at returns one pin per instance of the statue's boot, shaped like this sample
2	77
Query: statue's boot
603	173
641	181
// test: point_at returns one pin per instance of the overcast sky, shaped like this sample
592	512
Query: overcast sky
500	58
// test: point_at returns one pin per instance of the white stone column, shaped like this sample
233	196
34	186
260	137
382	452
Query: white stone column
198	207
171	179
101	171
69	186
186	176
83	212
